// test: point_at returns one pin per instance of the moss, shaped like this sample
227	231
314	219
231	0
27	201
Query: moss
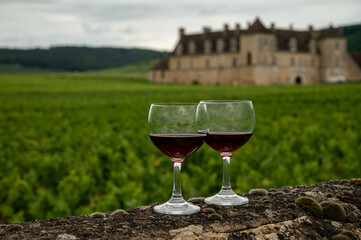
349	234
214	206
291	205
209	210
119	212
258	192
333	211
356	181
309	205
340	237
329	195
97	215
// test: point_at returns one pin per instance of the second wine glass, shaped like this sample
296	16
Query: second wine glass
230	125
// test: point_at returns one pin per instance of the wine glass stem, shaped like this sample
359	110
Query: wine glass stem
177	190
226	184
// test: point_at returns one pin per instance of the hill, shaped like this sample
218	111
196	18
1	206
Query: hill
353	35
76	58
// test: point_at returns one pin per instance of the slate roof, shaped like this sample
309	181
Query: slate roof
161	64
283	37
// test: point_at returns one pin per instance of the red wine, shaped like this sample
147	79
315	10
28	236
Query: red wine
178	146
227	142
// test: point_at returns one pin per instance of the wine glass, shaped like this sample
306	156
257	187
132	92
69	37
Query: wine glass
173	128
230	125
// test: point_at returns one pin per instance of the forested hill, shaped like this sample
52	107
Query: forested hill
77	58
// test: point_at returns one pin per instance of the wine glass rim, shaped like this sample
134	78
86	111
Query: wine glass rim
174	104
225	101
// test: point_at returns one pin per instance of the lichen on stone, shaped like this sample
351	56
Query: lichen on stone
98	215
291	206
208	210
309	205
119	212
349	234
356	181
340	237
333	211
258	192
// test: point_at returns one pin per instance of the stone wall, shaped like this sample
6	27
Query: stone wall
329	210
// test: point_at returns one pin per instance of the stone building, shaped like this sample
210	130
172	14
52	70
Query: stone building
259	55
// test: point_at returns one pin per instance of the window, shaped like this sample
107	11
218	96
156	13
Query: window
300	61
179	50
312	46
292	61
191	64
337	62
293	45
233	45
220	45
337	45
192	47
249	58
265	60
207	46
234	62
274	60
178	64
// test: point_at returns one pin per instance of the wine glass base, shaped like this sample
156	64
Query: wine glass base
177	208
226	199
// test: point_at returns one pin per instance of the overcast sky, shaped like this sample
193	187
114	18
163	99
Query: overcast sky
154	23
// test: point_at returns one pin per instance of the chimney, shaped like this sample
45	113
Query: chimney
181	32
238	29
205	31
291	27
272	26
310	28
225	31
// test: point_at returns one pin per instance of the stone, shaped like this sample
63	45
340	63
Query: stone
65	236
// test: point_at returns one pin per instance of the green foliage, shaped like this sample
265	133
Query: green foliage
353	35
74	144
76	58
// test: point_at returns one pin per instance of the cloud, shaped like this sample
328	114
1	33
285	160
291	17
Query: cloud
153	23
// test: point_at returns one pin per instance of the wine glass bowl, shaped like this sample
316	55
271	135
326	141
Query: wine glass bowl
174	130
230	125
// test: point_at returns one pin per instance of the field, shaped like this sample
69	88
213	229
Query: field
72	144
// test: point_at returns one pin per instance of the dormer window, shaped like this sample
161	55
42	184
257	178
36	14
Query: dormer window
233	45
312	46
179	50
220	45
293	45
207	46
192	47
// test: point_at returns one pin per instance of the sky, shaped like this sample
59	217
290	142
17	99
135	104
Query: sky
154	24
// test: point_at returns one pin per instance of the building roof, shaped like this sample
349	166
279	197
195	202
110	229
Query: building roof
162	64
283	37
258	27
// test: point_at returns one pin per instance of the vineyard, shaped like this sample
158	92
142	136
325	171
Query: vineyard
72	144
